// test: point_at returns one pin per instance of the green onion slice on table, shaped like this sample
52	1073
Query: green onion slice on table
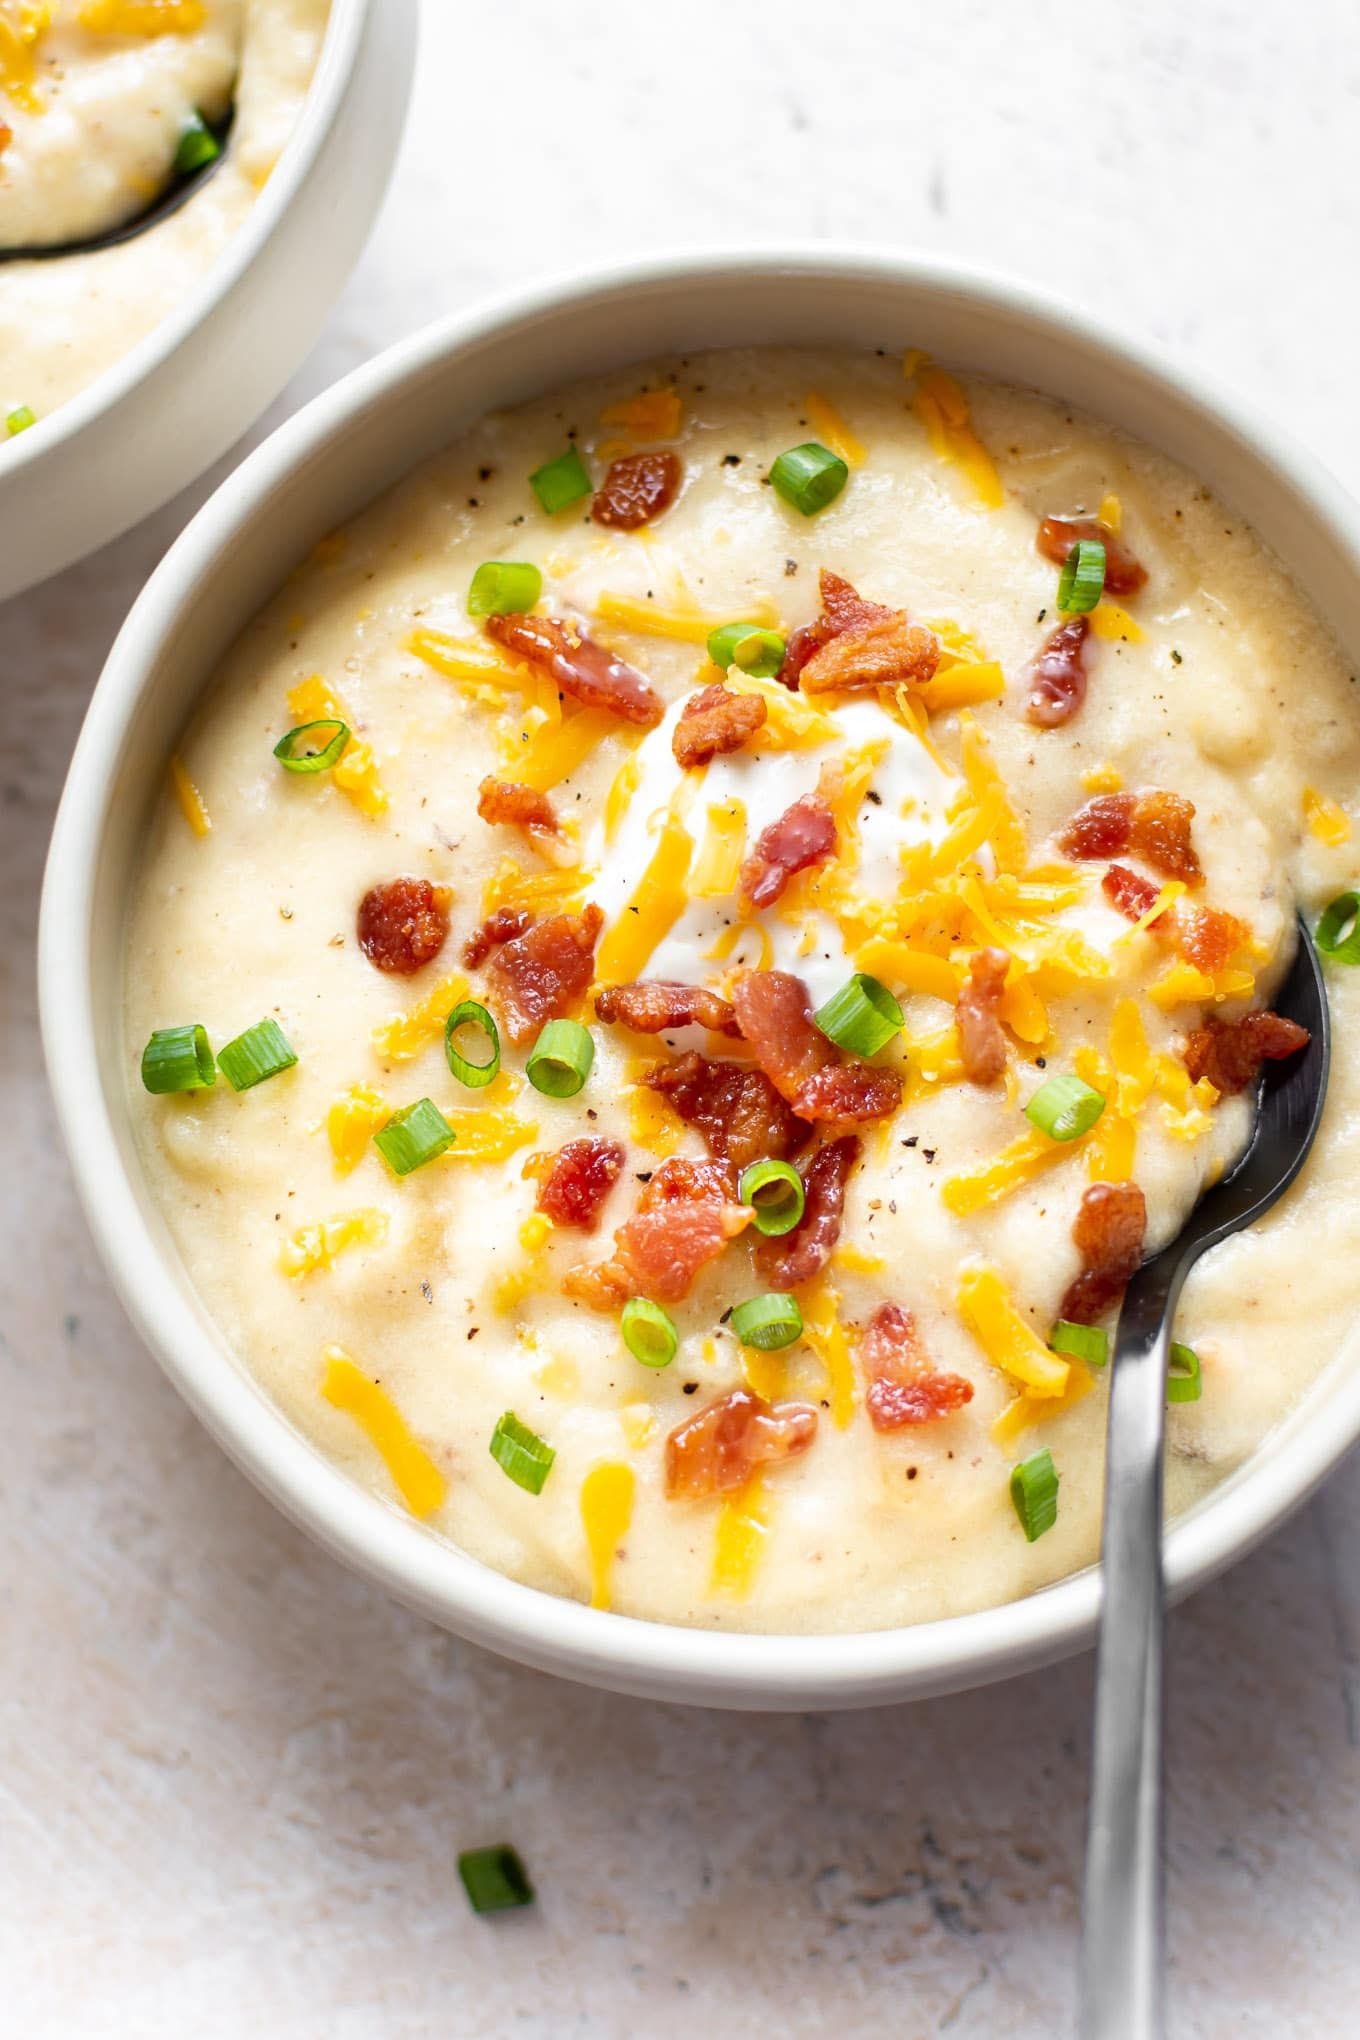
495	1880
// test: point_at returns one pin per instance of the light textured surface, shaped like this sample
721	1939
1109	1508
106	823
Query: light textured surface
232	1779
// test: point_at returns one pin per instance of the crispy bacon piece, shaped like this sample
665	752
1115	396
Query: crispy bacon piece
982	1044
403	924
1108	1230
636	489
580	667
719	1448
802	836
1123	573
519	807
737	1110
893	652
903	1386
713	722
843	608
1153	825
577	1179
542	972
1207	937
1058	674
820	1084
654	1005
685	1217
502	926
1129	892
1230	1052
793	1257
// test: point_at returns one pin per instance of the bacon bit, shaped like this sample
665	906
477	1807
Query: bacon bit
776	1017
502	926
520	807
719	1448
802	836
1123	573
1153	825
794	1257
1130	893
685	1217
1058	674
982	1044
1108	1230
580	667
539	974
6	137
636	489
579	1178
843	608
1230	1052
403	924
1209	938
903	1386
737	1110
713	722
652	1005
893	652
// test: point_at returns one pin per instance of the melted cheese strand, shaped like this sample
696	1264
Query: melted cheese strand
416	1477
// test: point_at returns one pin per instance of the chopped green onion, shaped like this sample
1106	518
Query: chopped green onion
649	1332
412	1137
862	1016
749	647
1338	932
198	146
1085	1342
20	419
178	1059
774	1191
1034	1490
521	1453
471	1013
313	746
1082	580
809	476
561	481
261	1052
494	1879
560	1059
504	587
1183	1382
1064	1108
768	1322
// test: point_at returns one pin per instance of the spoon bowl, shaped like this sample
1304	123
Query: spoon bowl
177	191
1123	1924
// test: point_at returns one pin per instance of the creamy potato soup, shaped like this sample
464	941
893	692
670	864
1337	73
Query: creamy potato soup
689	952
104	105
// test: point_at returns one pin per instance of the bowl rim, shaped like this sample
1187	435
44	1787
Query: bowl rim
715	1667
322	102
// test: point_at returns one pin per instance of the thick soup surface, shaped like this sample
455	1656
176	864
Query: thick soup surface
1068	899
103	103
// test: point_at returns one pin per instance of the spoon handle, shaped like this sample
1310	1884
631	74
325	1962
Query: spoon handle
1124	1902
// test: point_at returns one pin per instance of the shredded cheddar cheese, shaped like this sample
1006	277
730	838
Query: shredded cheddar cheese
622	787
743	1525
142	17
1028	1410
1102	779
416	1477
908	969
406	1035
535	892
651	1121
962	686
554	751
354	1117
689	626
984	778
316	1246
528	1275
356	772
606	1512
832	430
651	414
766	1373
823	1331
1033	1154
1108	620
942	408
1328	822
22	27
1009	1343
656	905
1111	513
791	722
488	1135
190	799
721	850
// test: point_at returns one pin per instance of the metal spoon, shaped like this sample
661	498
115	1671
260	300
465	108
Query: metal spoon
1122	1958
177	192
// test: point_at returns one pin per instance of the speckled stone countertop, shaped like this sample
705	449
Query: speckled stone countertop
233	1780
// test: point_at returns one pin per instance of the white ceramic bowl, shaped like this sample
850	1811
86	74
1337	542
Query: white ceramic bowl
164	412
320	468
